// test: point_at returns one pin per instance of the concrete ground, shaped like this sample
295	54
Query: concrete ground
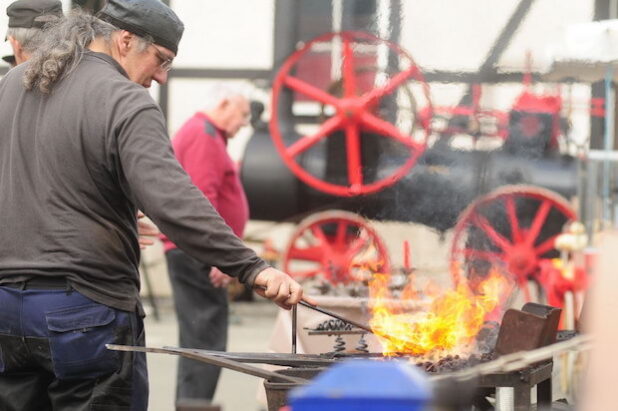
250	330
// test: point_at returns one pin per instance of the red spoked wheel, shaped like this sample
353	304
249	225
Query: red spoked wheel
336	246
354	113
514	228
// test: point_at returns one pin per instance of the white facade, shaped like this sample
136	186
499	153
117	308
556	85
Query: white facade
450	35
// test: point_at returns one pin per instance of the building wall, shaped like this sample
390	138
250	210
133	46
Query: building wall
440	35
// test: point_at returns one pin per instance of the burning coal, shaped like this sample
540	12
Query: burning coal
448	327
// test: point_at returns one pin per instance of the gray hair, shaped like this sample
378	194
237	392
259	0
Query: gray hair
31	38
221	91
63	47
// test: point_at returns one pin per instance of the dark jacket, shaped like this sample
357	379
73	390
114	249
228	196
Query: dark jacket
75	166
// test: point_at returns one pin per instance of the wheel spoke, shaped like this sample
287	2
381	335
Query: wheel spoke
539	220
384	127
311	91
546	246
314	253
493	235
349	74
511	213
355	168
356	245
321	237
342	229
376	94
305	142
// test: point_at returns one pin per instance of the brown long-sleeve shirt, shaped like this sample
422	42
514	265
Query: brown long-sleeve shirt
74	167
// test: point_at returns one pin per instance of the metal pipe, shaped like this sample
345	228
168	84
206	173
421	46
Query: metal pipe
608	144
294	321
211	359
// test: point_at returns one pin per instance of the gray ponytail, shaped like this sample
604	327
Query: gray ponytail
63	48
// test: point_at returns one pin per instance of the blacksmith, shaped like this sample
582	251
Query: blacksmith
82	147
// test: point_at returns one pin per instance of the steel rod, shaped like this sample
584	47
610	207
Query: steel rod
287	360
294	322
212	359
330	313
337	316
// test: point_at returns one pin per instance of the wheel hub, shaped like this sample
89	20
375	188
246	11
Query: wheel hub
521	260
350	108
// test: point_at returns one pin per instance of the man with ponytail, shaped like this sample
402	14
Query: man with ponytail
82	147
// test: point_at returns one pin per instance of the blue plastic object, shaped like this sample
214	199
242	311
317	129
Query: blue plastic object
364	385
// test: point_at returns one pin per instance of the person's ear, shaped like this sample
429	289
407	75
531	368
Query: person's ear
124	40
223	104
17	50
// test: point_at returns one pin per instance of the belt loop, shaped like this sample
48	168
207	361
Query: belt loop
22	285
69	289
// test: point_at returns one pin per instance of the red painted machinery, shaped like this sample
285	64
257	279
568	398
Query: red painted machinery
372	151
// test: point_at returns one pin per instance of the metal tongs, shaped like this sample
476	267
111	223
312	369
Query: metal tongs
323	311
338	317
334	315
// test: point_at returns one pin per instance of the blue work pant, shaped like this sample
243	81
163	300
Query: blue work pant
53	355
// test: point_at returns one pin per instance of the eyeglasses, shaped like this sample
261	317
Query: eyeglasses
166	62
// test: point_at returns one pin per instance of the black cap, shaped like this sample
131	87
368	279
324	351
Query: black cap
145	18
33	13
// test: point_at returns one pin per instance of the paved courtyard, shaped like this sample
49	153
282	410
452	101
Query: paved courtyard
251	326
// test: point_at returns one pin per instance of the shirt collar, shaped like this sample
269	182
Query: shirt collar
107	58
220	131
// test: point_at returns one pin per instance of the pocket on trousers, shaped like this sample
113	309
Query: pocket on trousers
77	338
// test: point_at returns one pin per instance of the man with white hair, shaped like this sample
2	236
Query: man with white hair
200	147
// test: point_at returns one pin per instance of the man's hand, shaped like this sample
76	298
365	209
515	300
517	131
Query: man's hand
278	287
145	230
218	278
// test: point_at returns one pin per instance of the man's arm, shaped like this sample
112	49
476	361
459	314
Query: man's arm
163	190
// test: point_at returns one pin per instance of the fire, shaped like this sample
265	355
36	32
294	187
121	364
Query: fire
449	326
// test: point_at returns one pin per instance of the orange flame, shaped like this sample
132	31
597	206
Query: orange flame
449	326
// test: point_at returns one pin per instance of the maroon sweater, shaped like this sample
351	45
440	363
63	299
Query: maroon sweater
200	148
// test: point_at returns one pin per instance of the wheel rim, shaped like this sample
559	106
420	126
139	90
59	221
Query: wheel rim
513	227
353	116
339	247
